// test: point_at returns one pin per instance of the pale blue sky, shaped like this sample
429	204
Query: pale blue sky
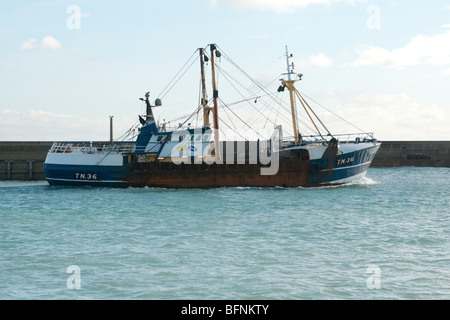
383	65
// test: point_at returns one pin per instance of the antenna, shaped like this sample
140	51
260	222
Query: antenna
288	64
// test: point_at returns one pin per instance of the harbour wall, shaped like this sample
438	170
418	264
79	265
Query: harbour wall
413	154
24	160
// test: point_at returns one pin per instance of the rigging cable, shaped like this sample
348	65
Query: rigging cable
240	118
362	131
227	76
164	92
263	89
277	100
251	79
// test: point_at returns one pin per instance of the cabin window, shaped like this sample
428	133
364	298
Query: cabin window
180	138
159	138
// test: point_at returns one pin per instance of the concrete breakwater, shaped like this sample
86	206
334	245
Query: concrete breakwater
23	160
413	154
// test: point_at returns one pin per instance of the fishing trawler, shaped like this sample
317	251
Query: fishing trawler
196	157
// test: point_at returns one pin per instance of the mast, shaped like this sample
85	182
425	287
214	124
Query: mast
290	85
288	65
111	137
206	109
215	96
292	90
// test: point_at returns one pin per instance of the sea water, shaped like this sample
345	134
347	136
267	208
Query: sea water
384	237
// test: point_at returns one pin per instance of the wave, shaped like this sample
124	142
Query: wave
17	183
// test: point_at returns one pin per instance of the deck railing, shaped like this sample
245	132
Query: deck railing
343	138
92	147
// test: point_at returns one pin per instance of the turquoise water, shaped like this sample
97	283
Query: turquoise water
386	237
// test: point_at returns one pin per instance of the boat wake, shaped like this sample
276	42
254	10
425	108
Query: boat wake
365	181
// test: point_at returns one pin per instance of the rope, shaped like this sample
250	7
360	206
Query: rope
260	95
161	95
240	118
362	131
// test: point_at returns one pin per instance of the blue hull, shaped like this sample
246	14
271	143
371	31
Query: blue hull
341	168
82	175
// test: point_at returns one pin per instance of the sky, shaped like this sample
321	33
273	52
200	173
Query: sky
67	66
